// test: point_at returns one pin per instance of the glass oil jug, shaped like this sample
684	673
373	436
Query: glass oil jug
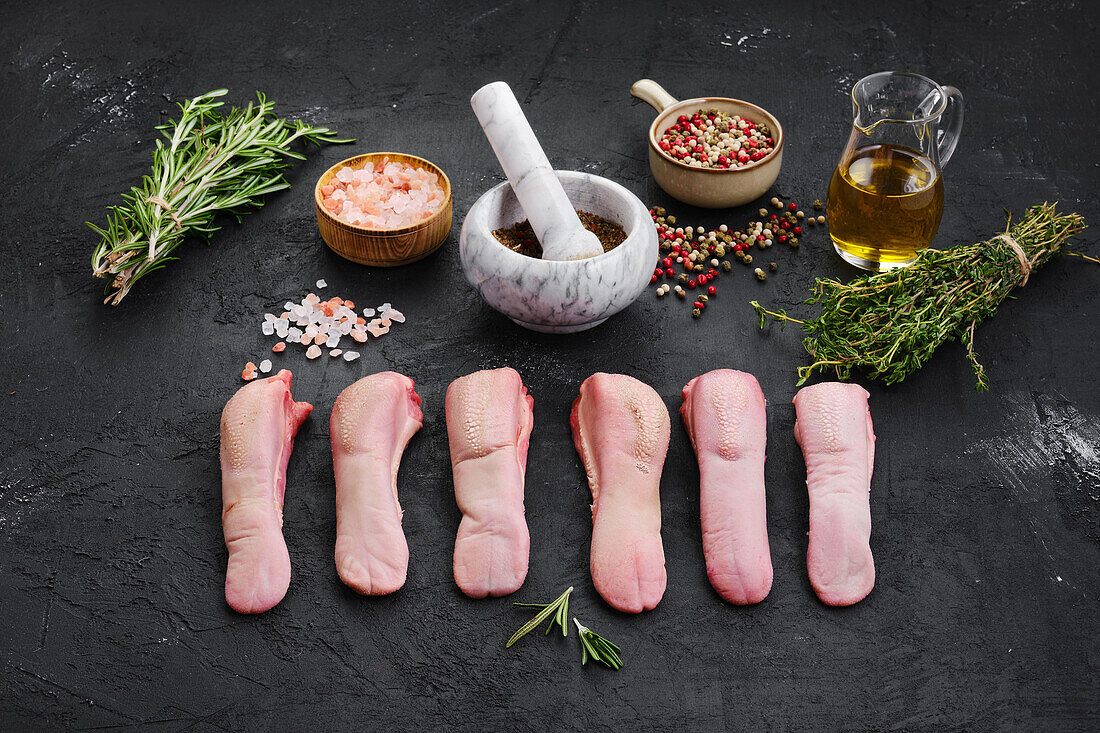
886	195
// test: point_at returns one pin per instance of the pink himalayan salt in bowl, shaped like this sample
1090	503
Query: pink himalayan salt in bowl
386	195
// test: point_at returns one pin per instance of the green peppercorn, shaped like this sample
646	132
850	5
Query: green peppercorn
682	279
773	266
818	206
763	212
671	219
665	246
760	274
695	313
793	241
659	211
720	251
726	265
703	298
747	259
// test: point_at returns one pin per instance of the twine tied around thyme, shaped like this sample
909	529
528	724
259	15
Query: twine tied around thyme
1025	263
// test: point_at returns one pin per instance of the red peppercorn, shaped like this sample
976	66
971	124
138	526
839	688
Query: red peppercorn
664	145
769	141
752	143
723	160
700	304
712	290
785	224
652	279
742	158
691	284
792	206
698	148
712	248
782	238
760	237
773	217
797	230
658	272
667	262
682	118
670	272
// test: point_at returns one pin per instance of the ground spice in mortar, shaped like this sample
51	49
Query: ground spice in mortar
521	238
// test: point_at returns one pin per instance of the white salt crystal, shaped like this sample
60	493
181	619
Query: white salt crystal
294	335
265	366
333	339
321	284
281	323
368	312
287	305
269	317
267	328
385	307
351	355
344	328
395	316
311	330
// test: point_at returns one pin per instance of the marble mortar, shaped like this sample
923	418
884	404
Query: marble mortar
559	296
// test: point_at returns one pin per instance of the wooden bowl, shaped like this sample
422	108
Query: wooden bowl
384	247
711	188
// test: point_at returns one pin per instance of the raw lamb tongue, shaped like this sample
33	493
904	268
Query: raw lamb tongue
489	422
257	436
372	421
723	411
833	427
621	430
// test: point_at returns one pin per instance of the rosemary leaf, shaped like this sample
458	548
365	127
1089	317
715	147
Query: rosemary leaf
550	609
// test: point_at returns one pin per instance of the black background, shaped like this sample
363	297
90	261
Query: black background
984	505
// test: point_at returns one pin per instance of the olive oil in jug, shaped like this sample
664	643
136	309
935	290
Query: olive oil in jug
885	202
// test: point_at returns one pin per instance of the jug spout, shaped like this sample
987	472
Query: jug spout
898	107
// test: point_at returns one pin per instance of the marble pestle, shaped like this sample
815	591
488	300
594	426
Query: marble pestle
534	182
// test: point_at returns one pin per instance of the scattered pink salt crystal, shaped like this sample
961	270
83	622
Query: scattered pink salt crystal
313	352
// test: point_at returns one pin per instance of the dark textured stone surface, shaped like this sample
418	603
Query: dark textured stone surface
984	505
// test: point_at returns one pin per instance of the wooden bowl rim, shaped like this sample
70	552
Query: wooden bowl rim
318	200
677	107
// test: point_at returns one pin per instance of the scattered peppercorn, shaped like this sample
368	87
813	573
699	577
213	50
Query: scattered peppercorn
818	206
760	274
697	312
773	266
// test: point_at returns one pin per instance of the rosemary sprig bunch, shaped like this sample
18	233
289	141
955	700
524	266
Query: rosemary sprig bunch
890	323
594	646
208	163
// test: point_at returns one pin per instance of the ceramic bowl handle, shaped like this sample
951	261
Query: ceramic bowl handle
653	94
950	124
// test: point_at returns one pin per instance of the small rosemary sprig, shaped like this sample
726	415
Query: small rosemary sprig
890	323
558	608
208	163
594	646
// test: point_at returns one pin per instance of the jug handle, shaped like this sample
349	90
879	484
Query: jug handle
949	136
652	94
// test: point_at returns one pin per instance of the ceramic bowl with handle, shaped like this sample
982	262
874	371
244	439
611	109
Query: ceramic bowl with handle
559	296
711	188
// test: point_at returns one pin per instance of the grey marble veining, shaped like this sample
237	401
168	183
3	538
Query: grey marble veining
559	296
556	225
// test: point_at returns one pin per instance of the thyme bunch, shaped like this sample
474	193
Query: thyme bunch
208	163
890	323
